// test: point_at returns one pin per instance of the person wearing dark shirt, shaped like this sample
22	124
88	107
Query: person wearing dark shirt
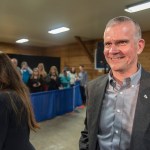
43	75
35	82
52	79
118	103
83	78
16	115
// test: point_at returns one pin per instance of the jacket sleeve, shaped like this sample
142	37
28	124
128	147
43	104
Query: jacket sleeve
84	139
3	122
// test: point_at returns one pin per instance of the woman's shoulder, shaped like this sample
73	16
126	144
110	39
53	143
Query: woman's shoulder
5	96
7	92
10	99
4	99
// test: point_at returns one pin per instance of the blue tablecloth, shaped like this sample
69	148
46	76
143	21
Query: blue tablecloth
47	105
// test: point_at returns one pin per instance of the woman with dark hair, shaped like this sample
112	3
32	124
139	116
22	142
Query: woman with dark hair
16	115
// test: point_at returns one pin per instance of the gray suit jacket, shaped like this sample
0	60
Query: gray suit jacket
140	139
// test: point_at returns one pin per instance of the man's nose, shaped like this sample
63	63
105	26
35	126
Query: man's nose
113	49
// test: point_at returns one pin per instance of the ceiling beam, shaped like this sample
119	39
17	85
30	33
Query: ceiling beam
85	48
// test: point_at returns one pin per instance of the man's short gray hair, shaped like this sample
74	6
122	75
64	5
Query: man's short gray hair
121	19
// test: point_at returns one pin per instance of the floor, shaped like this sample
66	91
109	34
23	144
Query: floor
60	133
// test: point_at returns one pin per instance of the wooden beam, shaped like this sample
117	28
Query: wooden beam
85	48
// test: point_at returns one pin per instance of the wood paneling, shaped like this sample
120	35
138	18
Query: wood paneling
74	55
144	58
20	49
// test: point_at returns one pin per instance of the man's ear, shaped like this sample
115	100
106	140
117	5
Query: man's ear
141	45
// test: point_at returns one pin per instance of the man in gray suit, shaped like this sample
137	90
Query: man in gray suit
118	103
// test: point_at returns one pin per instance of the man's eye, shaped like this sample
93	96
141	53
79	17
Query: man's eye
122	43
107	44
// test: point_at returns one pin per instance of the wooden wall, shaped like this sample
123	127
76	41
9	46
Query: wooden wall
21	49
144	58
74	54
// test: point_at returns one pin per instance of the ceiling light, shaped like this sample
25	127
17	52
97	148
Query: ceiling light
59	30
138	7
22	41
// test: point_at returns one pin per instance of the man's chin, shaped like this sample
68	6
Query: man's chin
116	69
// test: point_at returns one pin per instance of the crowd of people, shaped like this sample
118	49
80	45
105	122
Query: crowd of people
38	80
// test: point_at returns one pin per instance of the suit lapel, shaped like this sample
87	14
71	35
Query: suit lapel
142	112
97	94
97	103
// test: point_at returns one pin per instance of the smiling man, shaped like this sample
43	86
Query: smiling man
118	103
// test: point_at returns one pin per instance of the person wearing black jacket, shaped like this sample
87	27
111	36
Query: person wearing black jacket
16	115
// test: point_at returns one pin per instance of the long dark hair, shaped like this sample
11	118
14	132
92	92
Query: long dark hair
11	80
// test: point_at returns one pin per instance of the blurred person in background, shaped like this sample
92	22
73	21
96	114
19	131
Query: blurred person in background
26	72
35	82
15	63
83	78
16	114
73	76
52	79
43	75
64	79
42	71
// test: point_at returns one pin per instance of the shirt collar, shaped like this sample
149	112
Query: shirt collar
130	81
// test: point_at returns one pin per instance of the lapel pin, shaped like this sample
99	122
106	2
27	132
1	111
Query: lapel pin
145	96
